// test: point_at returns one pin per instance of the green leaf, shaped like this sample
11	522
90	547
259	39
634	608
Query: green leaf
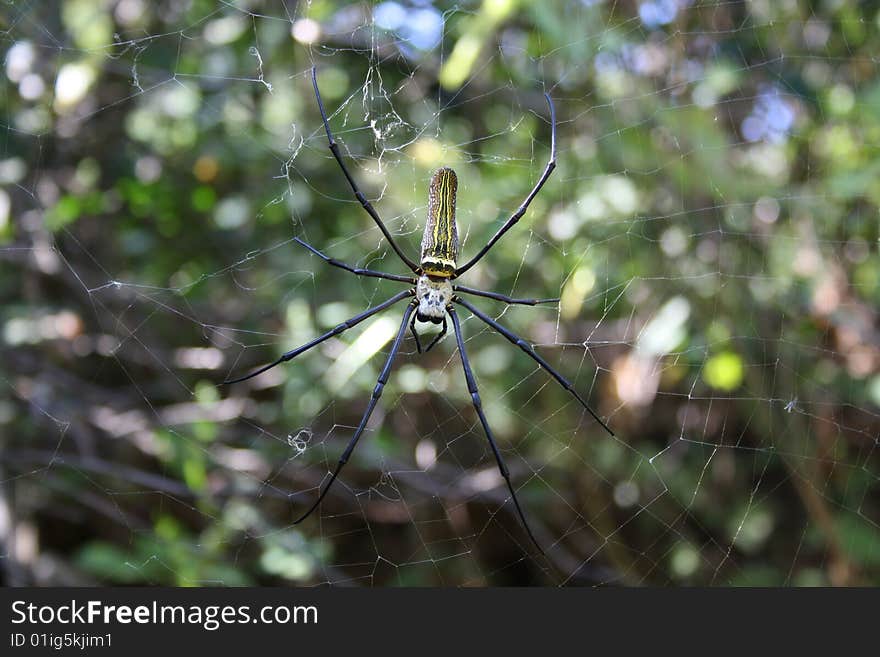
67	210
724	371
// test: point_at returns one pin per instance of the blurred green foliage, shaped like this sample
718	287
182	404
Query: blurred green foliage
711	231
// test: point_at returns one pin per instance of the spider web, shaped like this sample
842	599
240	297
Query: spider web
710	231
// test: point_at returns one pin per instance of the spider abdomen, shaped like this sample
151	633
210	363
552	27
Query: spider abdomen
440	239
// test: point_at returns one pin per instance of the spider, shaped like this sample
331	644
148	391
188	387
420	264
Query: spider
434	297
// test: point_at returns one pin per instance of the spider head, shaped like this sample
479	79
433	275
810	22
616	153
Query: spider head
429	318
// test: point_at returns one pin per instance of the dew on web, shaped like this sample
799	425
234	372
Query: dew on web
710	235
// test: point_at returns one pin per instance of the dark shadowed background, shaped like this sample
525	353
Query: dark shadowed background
711	232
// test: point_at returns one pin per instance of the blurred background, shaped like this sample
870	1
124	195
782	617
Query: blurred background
711	232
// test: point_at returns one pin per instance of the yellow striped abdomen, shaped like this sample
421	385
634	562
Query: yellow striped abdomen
440	240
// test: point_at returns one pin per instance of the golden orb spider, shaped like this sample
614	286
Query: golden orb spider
433	297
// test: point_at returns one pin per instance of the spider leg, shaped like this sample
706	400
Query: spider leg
355	270
377	392
412	328
439	335
478	406
357	319
501	297
522	344
521	210
334	148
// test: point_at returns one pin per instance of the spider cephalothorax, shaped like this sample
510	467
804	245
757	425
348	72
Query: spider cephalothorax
432	296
